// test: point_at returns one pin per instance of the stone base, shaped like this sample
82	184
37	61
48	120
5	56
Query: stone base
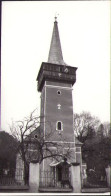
95	190
55	190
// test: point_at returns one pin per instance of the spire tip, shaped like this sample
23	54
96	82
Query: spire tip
56	17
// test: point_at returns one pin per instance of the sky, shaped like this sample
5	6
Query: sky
84	28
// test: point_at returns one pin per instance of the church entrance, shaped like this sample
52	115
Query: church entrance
59	173
58	177
63	174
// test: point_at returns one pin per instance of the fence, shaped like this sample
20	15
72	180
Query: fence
93	181
48	179
12	177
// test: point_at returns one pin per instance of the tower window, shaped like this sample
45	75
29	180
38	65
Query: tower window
59	92
59	126
35	136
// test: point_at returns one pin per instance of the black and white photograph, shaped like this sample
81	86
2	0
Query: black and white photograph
55	98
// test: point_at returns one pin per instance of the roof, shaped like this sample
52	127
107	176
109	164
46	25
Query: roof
32	134
56	163
55	52
77	142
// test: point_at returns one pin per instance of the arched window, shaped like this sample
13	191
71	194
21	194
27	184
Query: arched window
59	126
35	136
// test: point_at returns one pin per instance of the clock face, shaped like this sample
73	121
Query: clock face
66	70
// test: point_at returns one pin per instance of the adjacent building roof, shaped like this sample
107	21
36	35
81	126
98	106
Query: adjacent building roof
33	135
77	142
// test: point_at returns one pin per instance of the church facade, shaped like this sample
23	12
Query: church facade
55	82
64	169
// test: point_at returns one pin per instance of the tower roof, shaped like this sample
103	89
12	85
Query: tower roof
55	52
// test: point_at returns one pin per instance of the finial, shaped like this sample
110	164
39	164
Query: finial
56	17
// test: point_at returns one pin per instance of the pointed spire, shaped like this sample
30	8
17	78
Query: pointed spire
55	52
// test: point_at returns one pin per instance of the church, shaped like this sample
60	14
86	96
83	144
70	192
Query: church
61	172
55	82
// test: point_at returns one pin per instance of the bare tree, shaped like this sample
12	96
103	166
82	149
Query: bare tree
83	123
33	145
107	129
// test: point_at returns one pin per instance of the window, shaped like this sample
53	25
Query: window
35	136
59	92
59	126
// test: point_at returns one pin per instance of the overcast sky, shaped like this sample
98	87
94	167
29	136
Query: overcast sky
84	28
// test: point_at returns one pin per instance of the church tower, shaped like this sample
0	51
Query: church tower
55	82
